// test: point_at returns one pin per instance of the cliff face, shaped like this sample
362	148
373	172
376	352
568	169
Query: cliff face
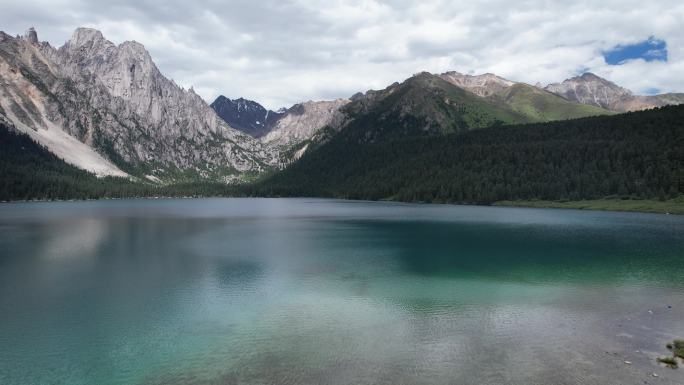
245	115
301	121
286	130
114	100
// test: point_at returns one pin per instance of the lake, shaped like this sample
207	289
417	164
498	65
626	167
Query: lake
313	291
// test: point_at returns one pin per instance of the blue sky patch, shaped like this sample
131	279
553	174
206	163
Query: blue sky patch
652	91
651	49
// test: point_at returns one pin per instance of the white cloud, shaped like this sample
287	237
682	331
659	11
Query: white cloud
282	52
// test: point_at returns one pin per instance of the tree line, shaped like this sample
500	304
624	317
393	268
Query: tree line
633	155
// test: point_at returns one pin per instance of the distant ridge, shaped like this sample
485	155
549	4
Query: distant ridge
593	90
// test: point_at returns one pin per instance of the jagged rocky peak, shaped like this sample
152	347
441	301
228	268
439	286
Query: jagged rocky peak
285	127
114	102
128	72
88	44
357	96
245	115
303	120
135	49
282	128
481	85
31	35
591	89
87	37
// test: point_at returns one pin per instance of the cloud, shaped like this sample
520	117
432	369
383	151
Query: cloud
285	51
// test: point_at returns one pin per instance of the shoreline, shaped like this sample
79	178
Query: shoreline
666	207
651	206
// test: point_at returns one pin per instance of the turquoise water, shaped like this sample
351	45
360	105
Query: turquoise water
297	291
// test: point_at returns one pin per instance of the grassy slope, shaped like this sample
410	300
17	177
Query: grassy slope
542	106
423	104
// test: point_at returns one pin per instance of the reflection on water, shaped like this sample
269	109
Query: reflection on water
333	292
80	238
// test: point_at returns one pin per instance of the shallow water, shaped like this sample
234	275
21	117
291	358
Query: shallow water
302	291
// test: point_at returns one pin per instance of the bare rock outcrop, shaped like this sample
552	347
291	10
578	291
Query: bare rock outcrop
596	91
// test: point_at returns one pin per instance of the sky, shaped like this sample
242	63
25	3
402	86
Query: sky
280	52
649	50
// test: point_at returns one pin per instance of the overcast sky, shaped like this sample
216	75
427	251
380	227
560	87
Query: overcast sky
281	52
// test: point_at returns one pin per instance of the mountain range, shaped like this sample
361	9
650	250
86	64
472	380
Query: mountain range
280	129
580	96
108	109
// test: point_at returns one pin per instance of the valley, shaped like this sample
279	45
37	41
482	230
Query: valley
107	123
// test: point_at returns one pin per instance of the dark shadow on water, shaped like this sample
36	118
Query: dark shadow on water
534	254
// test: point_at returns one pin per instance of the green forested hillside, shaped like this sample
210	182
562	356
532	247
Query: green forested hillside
424	104
637	154
633	155
29	171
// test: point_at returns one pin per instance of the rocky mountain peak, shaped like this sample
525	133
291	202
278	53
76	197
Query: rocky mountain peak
591	89
136	50
245	115
357	96
589	76
114	102
86	36
482	85
303	120
31	35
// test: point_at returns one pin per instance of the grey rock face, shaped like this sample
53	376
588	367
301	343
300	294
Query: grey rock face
481	85
31	36
594	90
590	89
114	99
301	121
284	130
245	115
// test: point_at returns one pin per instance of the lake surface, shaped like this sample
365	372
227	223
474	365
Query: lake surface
306	291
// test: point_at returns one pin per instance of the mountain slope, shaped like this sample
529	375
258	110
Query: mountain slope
542	106
590	89
245	115
115	100
301	121
635	154
534	103
596	91
30	171
284	131
481	85
424	104
642	102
